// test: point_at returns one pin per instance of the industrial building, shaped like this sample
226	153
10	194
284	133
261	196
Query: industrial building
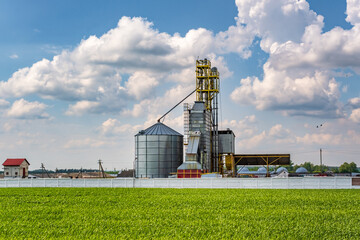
159	150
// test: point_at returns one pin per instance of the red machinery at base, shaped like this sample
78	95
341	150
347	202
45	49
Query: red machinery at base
190	173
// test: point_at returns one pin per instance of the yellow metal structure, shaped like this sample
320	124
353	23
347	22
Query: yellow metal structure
207	89
207	82
229	162
226	163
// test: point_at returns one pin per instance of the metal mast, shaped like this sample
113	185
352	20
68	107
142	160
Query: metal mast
207	89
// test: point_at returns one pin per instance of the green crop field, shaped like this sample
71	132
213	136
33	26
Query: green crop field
103	213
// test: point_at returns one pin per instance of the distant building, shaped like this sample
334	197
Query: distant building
16	168
125	173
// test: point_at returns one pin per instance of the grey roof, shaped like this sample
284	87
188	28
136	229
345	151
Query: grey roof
281	169
301	170
159	129
245	170
199	106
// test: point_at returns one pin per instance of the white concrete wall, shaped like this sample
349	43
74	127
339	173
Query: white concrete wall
254	183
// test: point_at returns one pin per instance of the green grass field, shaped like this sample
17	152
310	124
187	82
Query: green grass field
101	213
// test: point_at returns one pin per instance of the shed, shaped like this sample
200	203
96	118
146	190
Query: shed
16	168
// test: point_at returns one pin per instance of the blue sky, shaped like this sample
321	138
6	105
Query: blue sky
80	79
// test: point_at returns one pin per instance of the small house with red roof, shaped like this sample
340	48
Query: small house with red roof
16	168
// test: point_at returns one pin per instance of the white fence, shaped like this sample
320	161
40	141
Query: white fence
264	183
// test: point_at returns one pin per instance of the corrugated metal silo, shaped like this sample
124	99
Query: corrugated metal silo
158	151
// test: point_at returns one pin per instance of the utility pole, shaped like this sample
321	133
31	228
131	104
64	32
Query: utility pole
321	168
79	175
42	170
101	169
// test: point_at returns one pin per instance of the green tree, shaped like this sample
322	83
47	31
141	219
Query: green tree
348	167
353	167
318	168
290	167
309	166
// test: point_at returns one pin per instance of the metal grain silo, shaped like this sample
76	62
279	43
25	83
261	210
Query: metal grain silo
158	151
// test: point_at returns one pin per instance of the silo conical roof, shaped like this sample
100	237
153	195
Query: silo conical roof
159	129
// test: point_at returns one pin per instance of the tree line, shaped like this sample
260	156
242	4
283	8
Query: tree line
312	168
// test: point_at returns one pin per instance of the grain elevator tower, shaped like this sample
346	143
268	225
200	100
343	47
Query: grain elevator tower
201	119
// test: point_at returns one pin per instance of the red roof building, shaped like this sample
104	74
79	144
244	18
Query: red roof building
16	168
15	161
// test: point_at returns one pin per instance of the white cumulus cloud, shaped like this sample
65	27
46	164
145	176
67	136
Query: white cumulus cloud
23	109
141	84
121	71
4	103
320	138
91	77
308	95
278	131
355	115
299	75
353	11
354	102
113	127
276	21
